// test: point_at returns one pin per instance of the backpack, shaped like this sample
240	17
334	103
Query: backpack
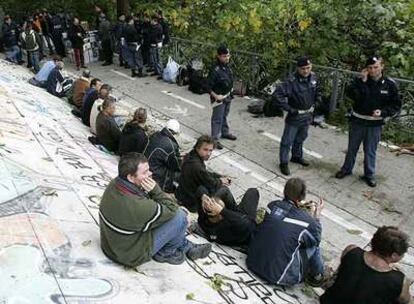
256	106
183	76
270	109
195	82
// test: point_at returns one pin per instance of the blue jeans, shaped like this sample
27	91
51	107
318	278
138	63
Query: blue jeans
171	236
14	54
155	60
219	124
34	59
314	262
369	137
293	136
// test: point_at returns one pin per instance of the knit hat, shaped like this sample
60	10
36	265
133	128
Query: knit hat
173	125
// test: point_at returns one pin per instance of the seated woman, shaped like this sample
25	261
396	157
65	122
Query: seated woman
368	277
134	137
107	131
225	222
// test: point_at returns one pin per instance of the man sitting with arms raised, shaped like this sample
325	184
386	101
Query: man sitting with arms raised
138	221
285	248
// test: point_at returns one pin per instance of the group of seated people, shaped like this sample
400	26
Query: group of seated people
140	222
144	211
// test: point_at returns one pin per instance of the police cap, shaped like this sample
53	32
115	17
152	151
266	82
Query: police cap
372	60
222	50
303	61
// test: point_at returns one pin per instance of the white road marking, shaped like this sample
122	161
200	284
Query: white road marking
184	99
409	259
176	109
278	139
122	74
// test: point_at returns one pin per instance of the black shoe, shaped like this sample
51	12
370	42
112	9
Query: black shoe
175	259
370	181
106	63
84	67
218	145
127	66
199	251
300	161
229	136
284	168
341	174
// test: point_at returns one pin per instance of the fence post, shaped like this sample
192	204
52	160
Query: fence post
335	91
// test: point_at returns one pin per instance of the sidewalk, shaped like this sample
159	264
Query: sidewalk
52	179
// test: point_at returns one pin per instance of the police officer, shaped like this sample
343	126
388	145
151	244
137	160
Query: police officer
133	41
374	97
220	87
298	96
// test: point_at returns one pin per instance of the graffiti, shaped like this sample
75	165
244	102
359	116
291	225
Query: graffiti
71	158
99	179
239	285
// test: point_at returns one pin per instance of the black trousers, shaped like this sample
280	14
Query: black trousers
238	225
107	51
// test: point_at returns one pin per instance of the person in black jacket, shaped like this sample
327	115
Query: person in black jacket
165	28
220	87
195	174
56	84
155	41
57	35
91	95
225	222
118	30
10	40
298	96
76	35
133	42
374	97
163	153
134	137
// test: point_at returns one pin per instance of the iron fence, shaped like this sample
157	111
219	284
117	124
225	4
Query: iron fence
259	70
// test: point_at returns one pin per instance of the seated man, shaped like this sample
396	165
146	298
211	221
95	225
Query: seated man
79	88
163	155
285	248
371	276
138	221
56	84
194	174
104	92
225	222
107	131
40	78
91	95
134	136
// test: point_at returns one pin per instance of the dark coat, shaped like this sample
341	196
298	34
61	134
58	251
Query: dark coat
75	39
193	175
108	132
89	99
133	139
164	158
10	34
155	34
55	77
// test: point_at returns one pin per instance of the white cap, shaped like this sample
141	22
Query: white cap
173	125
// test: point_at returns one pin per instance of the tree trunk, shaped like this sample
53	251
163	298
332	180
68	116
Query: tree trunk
122	7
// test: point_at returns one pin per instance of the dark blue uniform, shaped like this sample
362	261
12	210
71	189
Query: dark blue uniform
297	96
220	81
363	127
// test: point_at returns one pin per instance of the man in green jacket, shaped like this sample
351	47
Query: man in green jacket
138	221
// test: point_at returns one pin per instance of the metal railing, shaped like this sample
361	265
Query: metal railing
259	70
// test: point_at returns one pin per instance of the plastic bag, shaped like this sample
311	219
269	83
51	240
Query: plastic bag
171	71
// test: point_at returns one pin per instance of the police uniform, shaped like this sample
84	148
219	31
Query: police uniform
297	96
368	96
220	81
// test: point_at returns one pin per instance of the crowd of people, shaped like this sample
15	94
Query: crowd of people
144	211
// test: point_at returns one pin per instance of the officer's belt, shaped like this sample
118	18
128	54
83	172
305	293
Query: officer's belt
216	103
310	110
366	117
